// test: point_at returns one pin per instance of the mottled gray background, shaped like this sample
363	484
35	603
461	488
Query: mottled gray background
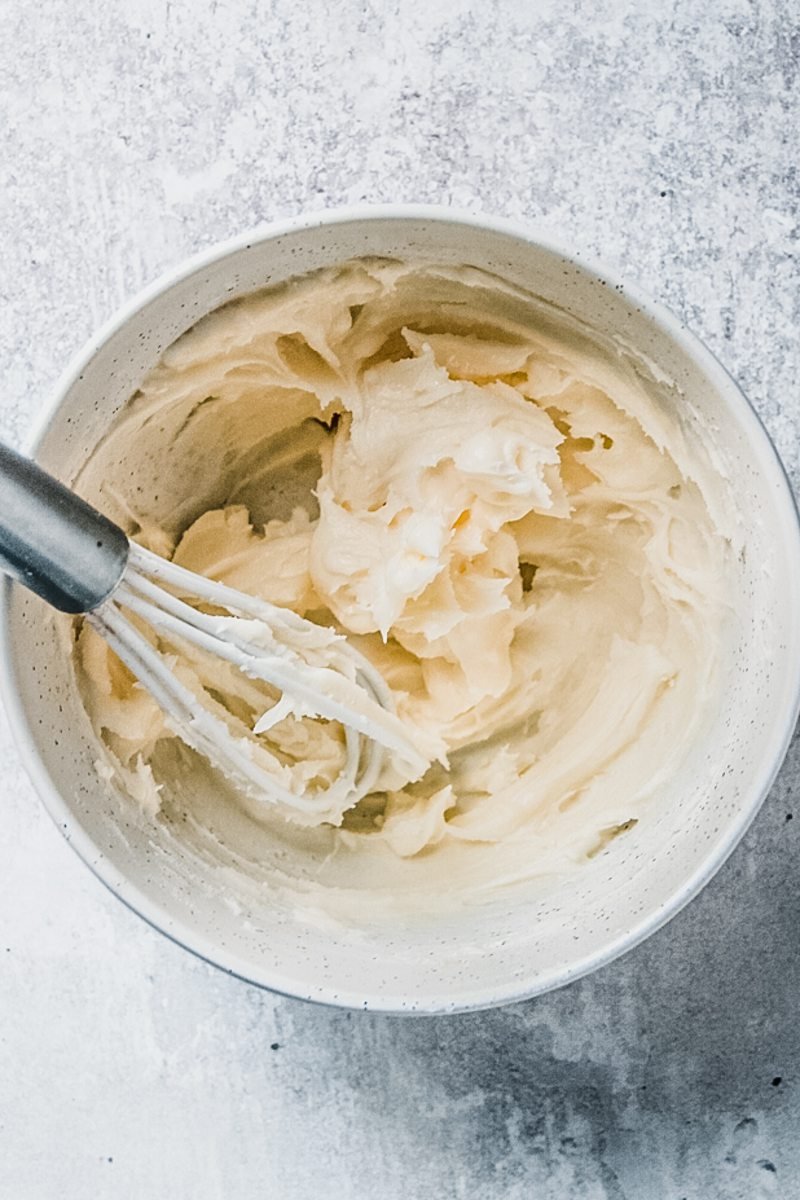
660	136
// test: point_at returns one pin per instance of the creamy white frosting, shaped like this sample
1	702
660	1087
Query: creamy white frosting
497	510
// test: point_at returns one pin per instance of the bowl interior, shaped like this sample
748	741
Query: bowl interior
510	948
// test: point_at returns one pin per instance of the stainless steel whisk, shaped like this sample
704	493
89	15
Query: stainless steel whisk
79	561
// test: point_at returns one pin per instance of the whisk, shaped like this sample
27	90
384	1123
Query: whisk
79	561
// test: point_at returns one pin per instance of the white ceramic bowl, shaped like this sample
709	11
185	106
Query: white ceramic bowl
488	956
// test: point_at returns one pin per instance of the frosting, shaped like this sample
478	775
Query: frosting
501	513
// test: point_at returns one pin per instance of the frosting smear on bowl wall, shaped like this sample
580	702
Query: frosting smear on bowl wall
491	504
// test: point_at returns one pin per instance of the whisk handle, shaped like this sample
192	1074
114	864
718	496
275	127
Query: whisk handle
52	541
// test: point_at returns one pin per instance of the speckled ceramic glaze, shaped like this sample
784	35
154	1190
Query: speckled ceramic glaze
514	948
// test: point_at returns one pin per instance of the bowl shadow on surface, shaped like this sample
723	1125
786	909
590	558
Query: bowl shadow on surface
686	1045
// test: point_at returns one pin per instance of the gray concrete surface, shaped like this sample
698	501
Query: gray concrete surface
659	136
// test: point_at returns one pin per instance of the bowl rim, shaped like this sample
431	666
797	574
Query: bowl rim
774	749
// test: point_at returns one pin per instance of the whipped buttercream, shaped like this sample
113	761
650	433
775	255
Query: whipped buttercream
497	508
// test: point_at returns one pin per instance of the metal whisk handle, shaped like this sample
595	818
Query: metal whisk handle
53	542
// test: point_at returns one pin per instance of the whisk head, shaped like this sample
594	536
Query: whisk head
313	671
